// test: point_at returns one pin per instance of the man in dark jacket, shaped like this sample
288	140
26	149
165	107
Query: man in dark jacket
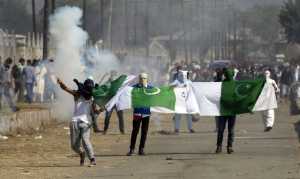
17	73
140	116
222	120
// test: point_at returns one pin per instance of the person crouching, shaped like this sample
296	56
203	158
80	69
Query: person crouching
82	119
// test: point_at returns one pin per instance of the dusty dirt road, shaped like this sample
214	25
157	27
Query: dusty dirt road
258	155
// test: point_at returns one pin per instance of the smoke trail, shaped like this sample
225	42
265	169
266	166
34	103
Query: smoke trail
73	59
69	40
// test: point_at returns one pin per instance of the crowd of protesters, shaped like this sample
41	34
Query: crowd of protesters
284	74
26	81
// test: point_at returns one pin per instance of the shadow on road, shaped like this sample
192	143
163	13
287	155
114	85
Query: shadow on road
157	154
297	129
43	166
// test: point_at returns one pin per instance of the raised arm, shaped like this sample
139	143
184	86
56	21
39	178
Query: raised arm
65	88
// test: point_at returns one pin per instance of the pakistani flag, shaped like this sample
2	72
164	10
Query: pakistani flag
103	93
204	98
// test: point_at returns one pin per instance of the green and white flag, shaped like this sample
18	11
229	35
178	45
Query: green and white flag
204	98
234	97
104	93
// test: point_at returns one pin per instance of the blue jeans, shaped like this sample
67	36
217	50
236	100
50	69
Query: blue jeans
9	97
29	91
177	118
222	120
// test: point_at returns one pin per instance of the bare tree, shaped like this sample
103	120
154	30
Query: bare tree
184	30
101	19
53	3
45	29
147	28
33	20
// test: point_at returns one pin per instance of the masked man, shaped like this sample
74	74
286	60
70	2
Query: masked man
140	116
182	81
82	119
222	120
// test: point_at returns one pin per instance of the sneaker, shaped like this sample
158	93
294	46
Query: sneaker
192	131
141	152
92	162
268	129
82	158
229	150
219	149
130	152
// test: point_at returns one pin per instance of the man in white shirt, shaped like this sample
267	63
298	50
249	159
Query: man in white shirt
269	115
82	120
182	81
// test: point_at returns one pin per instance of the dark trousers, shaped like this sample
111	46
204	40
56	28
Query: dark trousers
120	117
135	130
19	90
221	127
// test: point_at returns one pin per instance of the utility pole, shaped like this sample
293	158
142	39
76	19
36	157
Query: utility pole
45	29
199	11
101	20
110	24
33	20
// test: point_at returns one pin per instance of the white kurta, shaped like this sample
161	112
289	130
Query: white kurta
40	73
269	115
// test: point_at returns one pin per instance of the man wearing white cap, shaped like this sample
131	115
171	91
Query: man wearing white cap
141	115
182	79
268	115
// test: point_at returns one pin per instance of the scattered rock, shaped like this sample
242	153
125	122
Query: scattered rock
38	137
169	158
244	131
3	137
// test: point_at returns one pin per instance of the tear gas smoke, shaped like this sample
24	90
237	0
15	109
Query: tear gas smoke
73	59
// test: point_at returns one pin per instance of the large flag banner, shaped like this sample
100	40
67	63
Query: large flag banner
204	98
102	94
235	97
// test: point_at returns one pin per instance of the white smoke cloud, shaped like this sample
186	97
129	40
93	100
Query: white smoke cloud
73	59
